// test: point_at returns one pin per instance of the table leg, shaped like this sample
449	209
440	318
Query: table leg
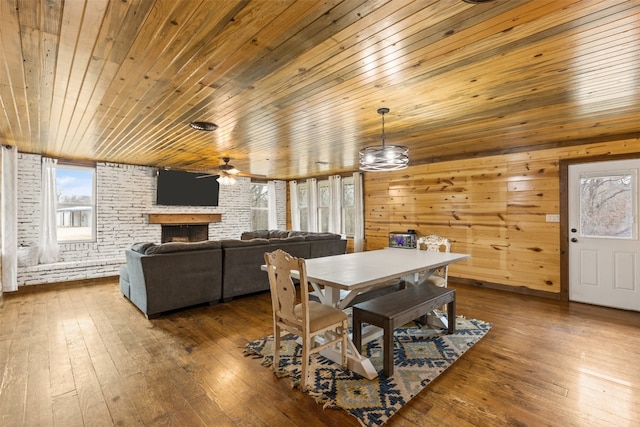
357	333
451	312
355	361
318	292
387	364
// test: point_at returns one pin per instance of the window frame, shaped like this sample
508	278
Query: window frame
254	208
304	225
323	210
344	208
61	164
303	204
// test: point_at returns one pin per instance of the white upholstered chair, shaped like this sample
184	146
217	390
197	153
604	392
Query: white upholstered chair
436	243
294	313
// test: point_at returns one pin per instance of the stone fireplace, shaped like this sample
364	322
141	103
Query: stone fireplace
184	227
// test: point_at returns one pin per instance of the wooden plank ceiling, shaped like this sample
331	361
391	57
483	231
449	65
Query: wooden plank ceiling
294	85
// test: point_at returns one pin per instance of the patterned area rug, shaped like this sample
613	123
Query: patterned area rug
420	355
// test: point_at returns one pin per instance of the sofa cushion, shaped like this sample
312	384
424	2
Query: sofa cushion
293	233
234	243
255	234
323	236
276	240
278	234
141	247
182	246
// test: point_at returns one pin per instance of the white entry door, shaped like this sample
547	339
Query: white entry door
604	250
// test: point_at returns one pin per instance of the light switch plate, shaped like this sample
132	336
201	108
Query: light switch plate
553	218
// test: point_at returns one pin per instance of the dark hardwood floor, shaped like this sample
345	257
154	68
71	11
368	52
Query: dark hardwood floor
83	355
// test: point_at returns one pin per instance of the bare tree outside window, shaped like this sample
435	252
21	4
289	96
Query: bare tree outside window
303	206
323	205
259	206
348	206
607	206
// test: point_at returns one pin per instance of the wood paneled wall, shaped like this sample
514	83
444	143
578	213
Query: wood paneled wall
493	208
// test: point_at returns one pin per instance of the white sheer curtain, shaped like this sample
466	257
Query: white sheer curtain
48	247
335	204
272	206
9	219
358	235
312	191
295	209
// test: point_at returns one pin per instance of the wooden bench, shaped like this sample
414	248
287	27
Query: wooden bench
398	308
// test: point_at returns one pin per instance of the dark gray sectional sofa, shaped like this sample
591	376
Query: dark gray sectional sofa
163	277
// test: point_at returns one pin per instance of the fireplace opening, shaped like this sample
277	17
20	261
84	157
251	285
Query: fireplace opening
185	233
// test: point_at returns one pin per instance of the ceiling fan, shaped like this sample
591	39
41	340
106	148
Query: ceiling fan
227	168
227	173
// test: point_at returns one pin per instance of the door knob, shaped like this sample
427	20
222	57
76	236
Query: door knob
574	240
573	230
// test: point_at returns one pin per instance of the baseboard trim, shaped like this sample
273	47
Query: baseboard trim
500	287
62	285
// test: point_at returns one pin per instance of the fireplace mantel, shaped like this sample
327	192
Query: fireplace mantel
184	218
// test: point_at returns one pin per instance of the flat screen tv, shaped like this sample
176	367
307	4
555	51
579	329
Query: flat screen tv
179	188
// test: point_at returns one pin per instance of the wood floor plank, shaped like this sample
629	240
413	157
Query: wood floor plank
244	377
38	409
149	406
92	402
66	410
121	408
84	356
15	371
13	383
60	372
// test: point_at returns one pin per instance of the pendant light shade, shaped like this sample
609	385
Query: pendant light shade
384	157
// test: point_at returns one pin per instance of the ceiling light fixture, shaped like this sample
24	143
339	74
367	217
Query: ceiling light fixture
227	173
208	126
226	179
383	157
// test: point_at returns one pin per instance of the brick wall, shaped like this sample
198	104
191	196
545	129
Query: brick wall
125	196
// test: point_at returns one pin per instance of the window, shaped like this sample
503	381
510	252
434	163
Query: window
303	206
607	205
324	197
259	206
75	208
324	190
348	206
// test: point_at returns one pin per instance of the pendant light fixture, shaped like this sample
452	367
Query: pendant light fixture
383	157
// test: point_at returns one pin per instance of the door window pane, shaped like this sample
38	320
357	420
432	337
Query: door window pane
607	205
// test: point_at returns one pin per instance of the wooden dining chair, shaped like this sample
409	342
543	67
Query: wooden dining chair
294	313
436	243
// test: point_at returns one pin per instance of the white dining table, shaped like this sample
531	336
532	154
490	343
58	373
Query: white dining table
338	279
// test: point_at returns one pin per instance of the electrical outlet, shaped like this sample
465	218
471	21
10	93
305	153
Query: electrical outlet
553	218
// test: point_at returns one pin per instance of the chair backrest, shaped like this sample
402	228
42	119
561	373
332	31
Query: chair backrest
434	243
283	291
